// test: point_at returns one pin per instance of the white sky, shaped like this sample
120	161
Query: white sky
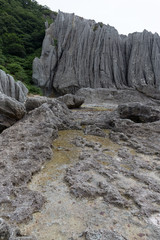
126	16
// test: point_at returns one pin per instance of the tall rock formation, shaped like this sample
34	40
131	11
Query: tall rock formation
12	97
13	89
79	53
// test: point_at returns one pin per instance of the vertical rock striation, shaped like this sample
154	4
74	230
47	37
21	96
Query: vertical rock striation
12	97
142	51
78	53
13	89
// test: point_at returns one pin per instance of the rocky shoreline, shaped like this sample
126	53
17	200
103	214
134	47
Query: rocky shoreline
125	182
24	148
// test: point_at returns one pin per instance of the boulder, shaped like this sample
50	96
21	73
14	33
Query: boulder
10	111
79	53
13	89
35	102
69	100
72	101
102	95
138	112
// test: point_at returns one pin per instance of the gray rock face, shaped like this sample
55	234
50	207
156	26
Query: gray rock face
149	91
24	147
4	230
94	130
83	184
80	53
11	88
102	95
72	101
138	112
102	234
10	111
35	102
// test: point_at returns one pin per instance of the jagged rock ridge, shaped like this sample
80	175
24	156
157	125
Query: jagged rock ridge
11	88
12	97
80	53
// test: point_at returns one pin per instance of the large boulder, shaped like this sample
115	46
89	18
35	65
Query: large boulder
79	53
35	102
138	112
72	101
11	88
102	95
10	111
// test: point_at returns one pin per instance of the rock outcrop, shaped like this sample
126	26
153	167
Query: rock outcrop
138	113
102	234
149	91
72	101
12	97
24	147
13	89
102	95
4	230
80	53
10	111
35	102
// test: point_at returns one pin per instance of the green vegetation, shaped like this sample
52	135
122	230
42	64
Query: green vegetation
22	29
96	25
55	42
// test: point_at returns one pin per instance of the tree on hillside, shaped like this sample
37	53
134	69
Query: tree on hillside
22	29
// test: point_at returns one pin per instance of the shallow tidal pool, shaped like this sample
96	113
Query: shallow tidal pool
64	217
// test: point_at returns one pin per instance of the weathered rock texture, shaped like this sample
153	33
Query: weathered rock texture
132	124
102	95
35	102
24	147
80	53
72	101
11	88
127	180
138	112
102	234
4	230
10	111
117	187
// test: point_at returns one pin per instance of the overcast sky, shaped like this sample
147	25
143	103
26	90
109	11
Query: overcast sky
126	16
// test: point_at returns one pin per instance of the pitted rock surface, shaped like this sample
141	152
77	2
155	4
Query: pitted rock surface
93	182
10	111
94	130
115	96
142	136
24	147
139	113
102	234
4	230
72	101
97	174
